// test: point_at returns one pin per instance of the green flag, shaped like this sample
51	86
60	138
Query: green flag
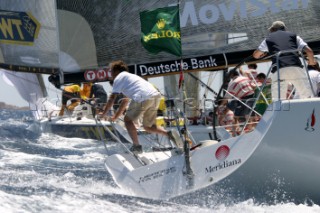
160	30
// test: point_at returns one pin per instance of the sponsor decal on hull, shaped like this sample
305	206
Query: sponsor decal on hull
223	165
157	174
311	121
221	154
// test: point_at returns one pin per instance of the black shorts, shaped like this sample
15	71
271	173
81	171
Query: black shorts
69	95
101	99
240	109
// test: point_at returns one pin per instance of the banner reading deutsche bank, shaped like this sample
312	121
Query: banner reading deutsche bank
160	30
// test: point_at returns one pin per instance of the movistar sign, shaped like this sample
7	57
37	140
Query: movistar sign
18	27
211	13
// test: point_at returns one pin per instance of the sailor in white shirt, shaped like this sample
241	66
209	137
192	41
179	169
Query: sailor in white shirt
145	100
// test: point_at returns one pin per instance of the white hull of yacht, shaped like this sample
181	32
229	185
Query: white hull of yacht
286	164
79	124
70	127
165	174
286	141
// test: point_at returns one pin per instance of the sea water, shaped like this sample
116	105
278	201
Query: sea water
47	173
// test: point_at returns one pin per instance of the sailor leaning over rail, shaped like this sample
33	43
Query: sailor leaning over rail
99	95
72	93
240	92
144	103
290	66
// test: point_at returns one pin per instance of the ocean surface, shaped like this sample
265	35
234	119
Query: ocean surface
41	172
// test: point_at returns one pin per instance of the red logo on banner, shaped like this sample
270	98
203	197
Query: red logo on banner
97	75
102	74
90	75
222	152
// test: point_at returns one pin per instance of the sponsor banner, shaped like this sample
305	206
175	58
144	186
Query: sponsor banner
212	62
18	27
90	75
196	14
100	74
149	70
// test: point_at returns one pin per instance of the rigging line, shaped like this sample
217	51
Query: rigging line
226	60
177	99
148	138
103	139
211	77
203	84
186	147
126	148
243	103
189	171
117	138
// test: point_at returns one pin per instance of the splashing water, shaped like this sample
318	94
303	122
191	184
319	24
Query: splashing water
49	173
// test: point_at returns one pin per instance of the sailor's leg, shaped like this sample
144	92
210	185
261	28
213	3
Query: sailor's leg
301	82
156	129
72	106
150	116
62	110
131	128
274	86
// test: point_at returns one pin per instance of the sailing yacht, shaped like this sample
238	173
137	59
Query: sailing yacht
73	41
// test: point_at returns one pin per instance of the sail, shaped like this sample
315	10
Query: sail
29	44
29	35
30	87
214	34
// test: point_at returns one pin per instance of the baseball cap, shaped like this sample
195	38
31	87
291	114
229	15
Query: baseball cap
277	25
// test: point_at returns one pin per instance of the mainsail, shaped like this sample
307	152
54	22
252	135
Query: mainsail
214	34
29	44
29	36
